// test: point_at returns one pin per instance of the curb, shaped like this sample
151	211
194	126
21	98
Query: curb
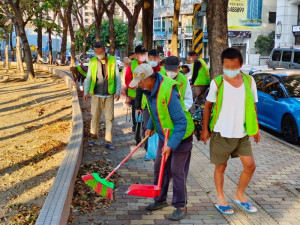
56	208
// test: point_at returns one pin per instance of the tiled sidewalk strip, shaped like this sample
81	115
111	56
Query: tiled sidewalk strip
276	162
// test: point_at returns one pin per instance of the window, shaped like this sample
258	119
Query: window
297	57
272	17
271	83
259	80
298	15
276	55
86	20
286	56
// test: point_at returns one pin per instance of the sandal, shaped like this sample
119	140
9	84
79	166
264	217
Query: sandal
110	146
91	143
246	206
223	209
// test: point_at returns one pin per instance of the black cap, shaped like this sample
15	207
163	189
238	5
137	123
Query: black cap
172	63
140	49
153	52
99	45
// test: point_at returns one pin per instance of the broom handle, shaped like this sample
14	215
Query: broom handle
163	160
124	160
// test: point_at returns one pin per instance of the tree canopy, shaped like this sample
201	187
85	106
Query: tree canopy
265	44
120	35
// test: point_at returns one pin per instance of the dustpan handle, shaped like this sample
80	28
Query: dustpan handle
163	160
127	157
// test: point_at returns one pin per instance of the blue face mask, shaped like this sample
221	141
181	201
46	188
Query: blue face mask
153	63
231	73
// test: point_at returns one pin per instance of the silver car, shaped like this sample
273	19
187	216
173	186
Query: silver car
288	58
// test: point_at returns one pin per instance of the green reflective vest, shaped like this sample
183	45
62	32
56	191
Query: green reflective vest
163	97
251	123
111	73
182	81
203	74
81	71
132	92
163	71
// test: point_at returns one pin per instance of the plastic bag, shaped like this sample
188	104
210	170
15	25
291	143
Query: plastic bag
152	146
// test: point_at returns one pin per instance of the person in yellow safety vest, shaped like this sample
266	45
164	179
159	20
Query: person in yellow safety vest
140	101
172	66
162	67
167	111
200	77
103	82
232	96
140	57
126	62
79	73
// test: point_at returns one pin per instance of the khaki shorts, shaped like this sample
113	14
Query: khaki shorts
222	148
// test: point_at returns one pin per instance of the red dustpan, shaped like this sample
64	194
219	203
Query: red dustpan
151	191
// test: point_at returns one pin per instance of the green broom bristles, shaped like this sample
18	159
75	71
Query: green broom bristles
99	185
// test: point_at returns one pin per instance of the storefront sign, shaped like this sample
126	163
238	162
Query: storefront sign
296	29
244	14
239	34
159	35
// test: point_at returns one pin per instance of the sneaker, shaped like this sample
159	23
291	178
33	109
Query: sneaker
156	205
178	214
146	158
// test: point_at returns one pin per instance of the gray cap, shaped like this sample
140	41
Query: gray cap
172	63
140	73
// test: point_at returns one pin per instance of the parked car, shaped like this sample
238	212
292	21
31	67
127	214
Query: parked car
278	106
288	58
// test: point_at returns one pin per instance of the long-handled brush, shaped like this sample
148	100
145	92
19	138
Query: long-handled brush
102	186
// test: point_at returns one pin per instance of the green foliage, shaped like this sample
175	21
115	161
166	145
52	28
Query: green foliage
265	44
120	33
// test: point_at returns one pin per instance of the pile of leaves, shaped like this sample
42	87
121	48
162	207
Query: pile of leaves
85	200
26	214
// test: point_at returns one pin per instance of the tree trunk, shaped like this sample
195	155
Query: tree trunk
130	37
39	37
174	42
63	47
84	47
112	42
217	33
73	50
20	66
29	64
50	46
6	51
148	8
98	13
12	51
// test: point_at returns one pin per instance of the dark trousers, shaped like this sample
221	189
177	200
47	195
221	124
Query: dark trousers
132	102
146	117
176	167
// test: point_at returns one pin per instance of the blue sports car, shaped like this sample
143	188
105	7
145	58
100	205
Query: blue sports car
278	106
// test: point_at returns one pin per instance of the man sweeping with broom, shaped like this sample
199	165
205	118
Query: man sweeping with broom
167	110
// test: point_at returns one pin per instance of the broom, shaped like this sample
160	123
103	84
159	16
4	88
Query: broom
102	186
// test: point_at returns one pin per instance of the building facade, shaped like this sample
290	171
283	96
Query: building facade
247	19
163	26
288	23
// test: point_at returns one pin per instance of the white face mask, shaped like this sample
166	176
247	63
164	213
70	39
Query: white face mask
153	63
100	56
171	74
231	73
